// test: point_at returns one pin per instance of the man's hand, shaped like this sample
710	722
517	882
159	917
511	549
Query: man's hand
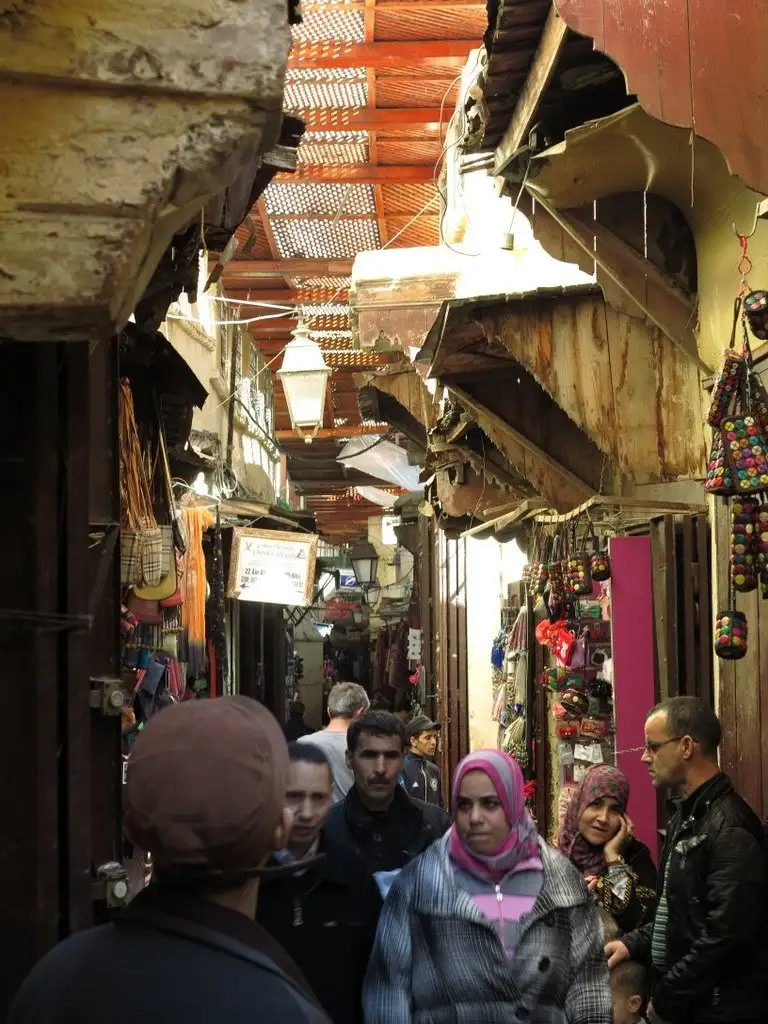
616	952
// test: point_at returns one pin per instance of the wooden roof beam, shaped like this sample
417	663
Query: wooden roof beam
363	174
539	76
333	54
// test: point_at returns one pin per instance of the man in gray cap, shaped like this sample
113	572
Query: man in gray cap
206	789
421	776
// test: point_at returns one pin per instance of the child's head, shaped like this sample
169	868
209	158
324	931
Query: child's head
629	987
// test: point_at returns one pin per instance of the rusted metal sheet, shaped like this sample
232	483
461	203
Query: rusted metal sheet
693	65
624	384
632	152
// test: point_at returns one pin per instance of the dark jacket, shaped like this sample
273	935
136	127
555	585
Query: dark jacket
641	904
386	841
326	920
295	728
421	779
717	896
196	962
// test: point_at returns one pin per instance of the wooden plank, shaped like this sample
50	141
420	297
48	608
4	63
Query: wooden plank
539	76
761	636
419	54
552	480
725	670
689	678
747	700
461	646
363	174
659	424
704	607
665	604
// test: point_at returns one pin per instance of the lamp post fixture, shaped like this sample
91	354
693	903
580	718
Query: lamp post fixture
372	595
304	376
365	563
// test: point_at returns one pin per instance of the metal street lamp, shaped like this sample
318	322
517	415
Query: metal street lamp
365	563
372	595
304	376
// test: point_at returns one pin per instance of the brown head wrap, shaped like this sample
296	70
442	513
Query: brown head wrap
206	786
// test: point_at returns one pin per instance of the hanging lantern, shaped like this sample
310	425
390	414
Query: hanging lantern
304	376
372	595
365	563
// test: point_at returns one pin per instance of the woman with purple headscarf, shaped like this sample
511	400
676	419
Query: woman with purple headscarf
489	924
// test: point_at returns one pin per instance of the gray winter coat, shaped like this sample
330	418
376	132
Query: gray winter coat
438	960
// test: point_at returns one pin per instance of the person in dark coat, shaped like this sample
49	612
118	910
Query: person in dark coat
597	837
377	818
296	727
205	795
706	945
324	916
421	776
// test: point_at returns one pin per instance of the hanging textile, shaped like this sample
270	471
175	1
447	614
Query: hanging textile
216	615
194	586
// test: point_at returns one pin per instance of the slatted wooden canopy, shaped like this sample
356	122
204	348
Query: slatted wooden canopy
369	78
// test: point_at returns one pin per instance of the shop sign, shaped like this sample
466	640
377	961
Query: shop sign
339	608
272	566
347	580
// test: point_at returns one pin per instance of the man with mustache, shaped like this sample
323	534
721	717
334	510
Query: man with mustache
377	817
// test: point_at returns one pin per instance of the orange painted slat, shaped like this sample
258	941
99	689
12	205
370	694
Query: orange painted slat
332	54
363	174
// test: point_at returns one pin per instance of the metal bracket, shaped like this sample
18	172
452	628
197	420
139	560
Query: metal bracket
106	695
112	885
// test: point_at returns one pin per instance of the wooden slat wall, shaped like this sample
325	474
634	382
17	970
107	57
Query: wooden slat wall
449	618
743	704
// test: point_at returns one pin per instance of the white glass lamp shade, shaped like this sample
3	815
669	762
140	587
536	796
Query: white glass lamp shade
365	563
373	594
304	376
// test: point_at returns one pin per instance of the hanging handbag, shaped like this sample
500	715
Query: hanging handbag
743	560
557	588
744	443
719	476
731	634
578	576
599	560
756	312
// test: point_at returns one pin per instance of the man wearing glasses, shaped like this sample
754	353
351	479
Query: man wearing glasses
707	945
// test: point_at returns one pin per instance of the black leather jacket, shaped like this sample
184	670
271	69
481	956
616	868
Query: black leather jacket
717	896
386	841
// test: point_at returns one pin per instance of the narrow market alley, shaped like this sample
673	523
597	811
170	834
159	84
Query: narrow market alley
388	384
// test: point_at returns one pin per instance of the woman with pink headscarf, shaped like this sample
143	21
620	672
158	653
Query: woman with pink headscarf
489	924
